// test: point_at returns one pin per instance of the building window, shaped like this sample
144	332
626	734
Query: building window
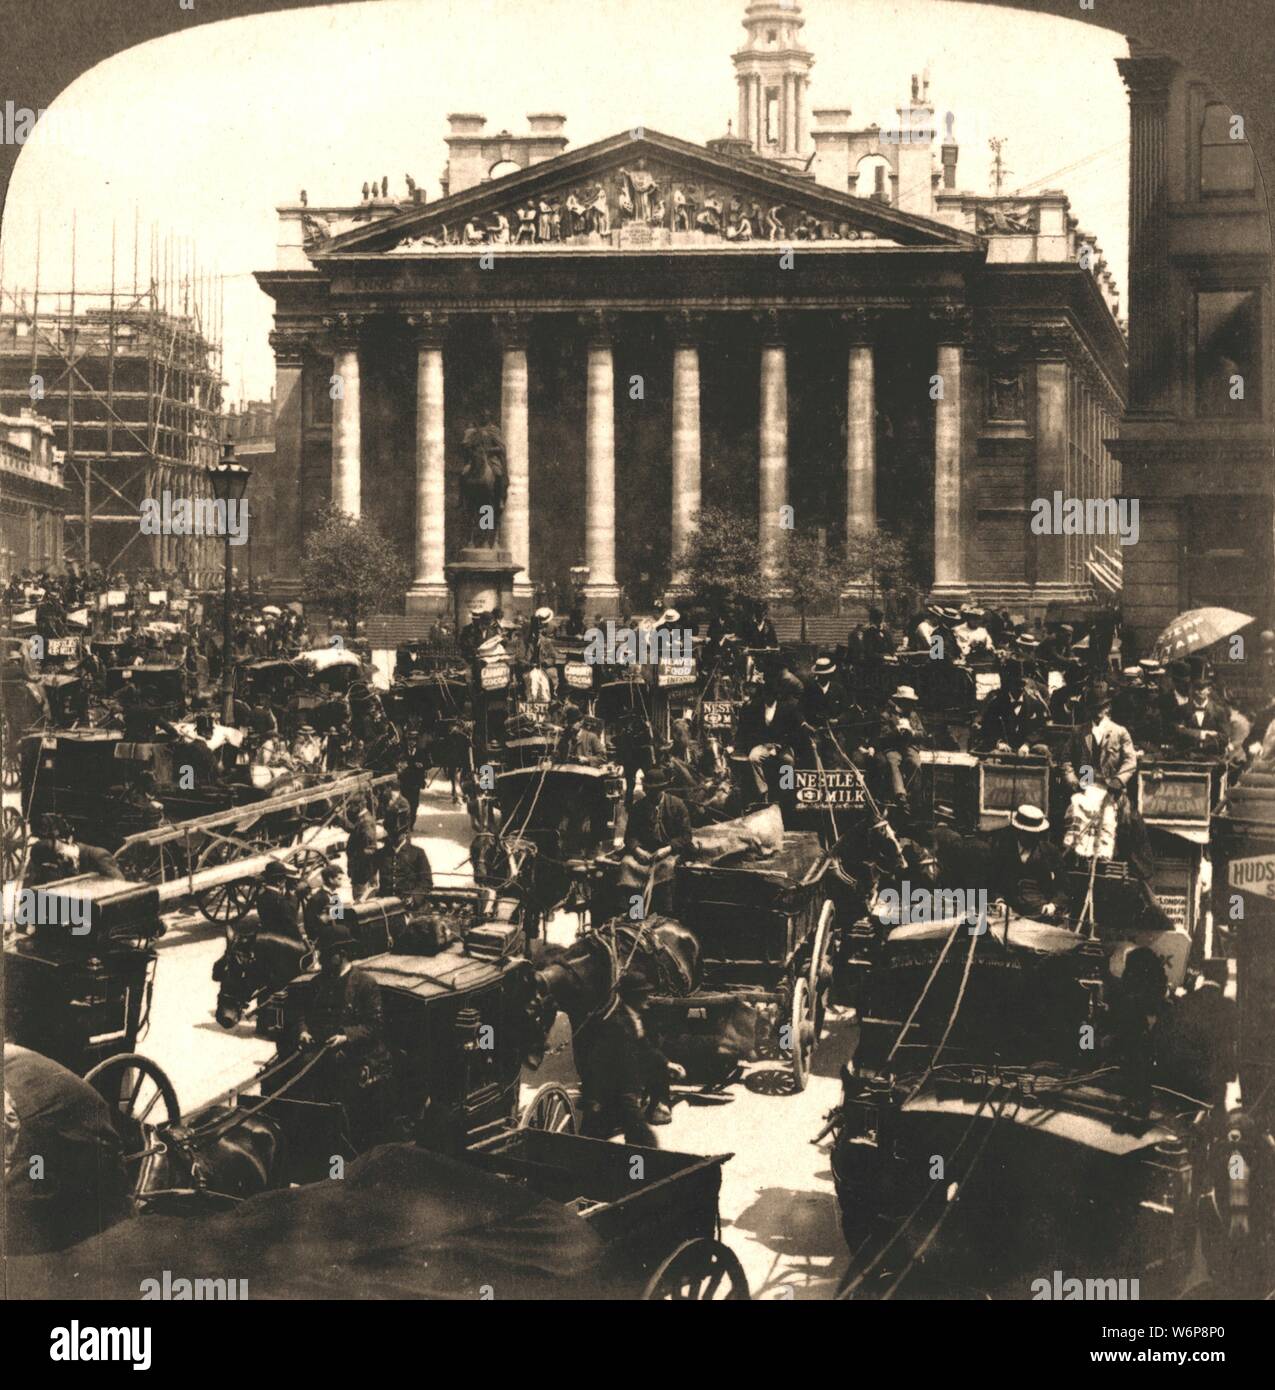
1228	353
1226	164
772	115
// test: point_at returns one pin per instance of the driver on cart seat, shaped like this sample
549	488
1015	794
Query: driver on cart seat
344	1014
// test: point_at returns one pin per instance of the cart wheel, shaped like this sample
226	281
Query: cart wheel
698	1271
13	843
550	1109
133	1085
801	1039
309	861
820	975
232	901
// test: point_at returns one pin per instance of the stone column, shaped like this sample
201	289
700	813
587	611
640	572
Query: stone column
686	329
1153	352
429	581
514	426
346	445
1050	475
599	450
861	421
952	330
772	484
289	354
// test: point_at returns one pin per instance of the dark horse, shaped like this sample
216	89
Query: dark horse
484	483
254	966
580	979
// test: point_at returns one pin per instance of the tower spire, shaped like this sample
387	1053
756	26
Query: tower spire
772	72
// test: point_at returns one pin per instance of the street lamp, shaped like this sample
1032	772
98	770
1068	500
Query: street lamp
229	482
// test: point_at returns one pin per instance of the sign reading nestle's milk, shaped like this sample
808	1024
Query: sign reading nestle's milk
1255	875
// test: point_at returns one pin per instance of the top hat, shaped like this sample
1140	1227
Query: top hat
1031	820
333	935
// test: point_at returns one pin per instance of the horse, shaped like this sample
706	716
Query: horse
219	1150
255	965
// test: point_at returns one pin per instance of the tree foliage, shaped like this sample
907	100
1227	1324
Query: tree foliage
723	558
350	567
811	577
879	559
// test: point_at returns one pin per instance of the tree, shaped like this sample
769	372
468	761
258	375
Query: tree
349	566
722	562
812	577
879	559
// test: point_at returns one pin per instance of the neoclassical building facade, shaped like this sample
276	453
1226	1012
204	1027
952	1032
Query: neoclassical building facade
657	325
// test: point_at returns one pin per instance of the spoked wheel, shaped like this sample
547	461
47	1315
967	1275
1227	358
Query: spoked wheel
231	901
551	1109
819	976
801	1033
698	1271
309	861
136	1089
13	843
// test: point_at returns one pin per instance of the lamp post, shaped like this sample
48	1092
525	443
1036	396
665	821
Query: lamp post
229	482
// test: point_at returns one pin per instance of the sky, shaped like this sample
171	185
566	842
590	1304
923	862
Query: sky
200	136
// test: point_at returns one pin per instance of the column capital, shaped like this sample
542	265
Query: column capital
859	325
686	326
428	327
1051	342
290	343
951	323
512	327
1148	77
344	329
598	326
772	324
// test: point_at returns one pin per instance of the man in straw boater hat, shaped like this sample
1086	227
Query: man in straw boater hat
1025	867
899	743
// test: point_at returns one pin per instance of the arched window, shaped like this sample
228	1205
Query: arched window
503	167
1226	164
874	178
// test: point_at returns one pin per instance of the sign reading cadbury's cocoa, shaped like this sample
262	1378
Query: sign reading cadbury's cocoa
578	675
495	676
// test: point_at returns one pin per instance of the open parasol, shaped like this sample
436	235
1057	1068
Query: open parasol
1196	629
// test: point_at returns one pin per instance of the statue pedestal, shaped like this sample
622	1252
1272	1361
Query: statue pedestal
481	579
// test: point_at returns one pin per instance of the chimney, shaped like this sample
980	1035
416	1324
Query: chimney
465	165
949	150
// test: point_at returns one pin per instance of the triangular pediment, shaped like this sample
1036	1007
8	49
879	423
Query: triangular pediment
642	192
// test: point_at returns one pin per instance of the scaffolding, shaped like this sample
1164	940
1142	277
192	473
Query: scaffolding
131	380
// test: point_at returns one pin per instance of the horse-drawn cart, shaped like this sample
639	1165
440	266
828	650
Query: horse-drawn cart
765	928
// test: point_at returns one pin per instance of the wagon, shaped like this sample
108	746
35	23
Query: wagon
765	929
655	1211
459	1024
78	988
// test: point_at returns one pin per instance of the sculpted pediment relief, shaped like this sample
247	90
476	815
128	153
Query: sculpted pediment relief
645	204
643	194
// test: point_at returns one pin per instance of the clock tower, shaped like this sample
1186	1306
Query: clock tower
772	71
